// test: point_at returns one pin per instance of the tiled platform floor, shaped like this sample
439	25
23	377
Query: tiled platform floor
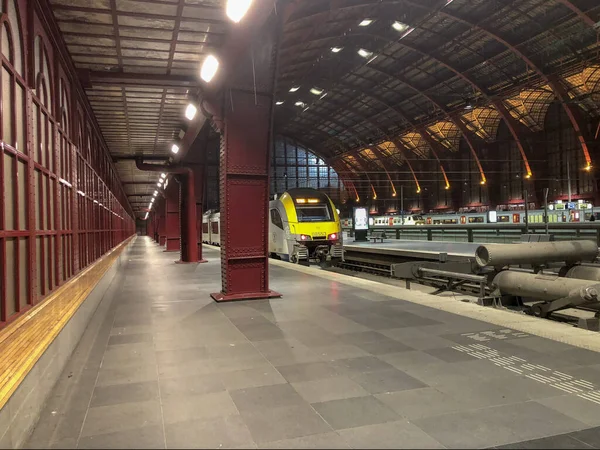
326	366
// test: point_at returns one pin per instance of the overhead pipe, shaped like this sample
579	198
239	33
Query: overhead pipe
535	253
189	252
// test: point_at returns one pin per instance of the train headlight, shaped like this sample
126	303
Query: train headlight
303	237
332	237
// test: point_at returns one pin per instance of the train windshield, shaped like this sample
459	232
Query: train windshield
313	213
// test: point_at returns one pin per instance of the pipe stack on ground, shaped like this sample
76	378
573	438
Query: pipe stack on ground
535	253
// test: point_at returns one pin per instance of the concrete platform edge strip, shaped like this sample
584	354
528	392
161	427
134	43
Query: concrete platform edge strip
538	327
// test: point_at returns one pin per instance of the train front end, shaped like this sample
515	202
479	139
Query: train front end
315	232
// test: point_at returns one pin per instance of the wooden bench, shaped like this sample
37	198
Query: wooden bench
377	236
25	340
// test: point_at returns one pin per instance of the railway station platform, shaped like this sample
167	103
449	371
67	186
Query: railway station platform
337	362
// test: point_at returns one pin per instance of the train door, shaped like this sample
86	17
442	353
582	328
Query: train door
391	221
516	218
463	220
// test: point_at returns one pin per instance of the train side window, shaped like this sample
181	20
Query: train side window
276	218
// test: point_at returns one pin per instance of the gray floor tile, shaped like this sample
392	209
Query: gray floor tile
186	369
249	378
420	403
126	416
129	338
179	408
129	355
194	385
261	332
575	407
329	389
146	437
448	354
124	393
361	364
339	351
502	425
400	434
317	441
354	412
266	397
483	393
286	351
221	432
307	371
384	346
362	337
124	375
177	356
409	359
390	380
562	441
590	436
274	424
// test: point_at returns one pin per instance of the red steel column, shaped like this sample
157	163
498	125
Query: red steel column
247	109
162	222
173	235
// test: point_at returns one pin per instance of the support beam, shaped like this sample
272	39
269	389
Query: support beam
173	239
246	112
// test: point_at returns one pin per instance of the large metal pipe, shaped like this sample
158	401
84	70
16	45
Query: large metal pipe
500	255
189	252
540	286
584	273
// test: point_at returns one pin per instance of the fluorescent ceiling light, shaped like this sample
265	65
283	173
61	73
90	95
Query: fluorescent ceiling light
279	103
237	9
322	96
159	184
294	88
155	193
209	68
190	112
316	91
163	175
336	49
300	104
150	206
364	53
175	148
365	22
399	26
152	201
146	217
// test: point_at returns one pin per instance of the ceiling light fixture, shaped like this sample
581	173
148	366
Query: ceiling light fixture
237	9
294	88
400	26
159	184
190	112
300	104
336	49
163	175
365	22
322	96
175	148
209	68
155	193
364	53
316	91
279	103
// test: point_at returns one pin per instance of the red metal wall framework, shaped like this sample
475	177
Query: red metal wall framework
62	205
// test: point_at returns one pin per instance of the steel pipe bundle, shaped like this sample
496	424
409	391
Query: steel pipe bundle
535	253
584	273
543	287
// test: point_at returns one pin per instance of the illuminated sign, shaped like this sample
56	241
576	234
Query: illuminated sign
361	218
492	216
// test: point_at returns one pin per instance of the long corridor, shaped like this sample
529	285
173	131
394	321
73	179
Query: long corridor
326	366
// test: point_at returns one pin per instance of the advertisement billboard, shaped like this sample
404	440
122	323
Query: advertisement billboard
361	218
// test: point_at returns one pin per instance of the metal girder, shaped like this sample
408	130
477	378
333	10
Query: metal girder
582	15
555	84
399	145
386	166
91	78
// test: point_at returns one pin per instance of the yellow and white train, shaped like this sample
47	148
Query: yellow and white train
304	227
